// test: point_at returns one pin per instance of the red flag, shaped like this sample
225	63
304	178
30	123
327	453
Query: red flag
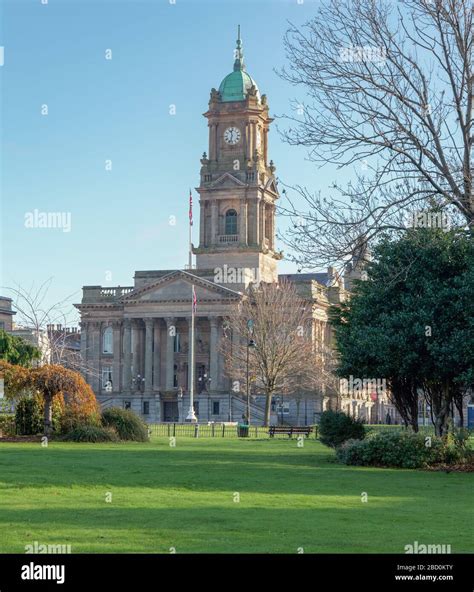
190	208
194	301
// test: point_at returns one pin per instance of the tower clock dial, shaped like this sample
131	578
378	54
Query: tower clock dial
232	135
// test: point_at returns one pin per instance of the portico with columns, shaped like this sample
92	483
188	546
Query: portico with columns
145	365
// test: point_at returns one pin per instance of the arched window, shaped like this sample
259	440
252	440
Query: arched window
107	341
231	222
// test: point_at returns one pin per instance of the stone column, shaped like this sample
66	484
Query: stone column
148	355
156	355
95	335
253	137
243	223
214	353
214	222
263	215
136	355
202	224
116	326
247	152
256	222
189	353
127	356
213	141
272	226
265	145
84	330
170	325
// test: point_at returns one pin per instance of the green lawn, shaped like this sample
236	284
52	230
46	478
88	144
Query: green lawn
183	497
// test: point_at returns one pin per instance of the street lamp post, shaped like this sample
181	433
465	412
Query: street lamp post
250	344
138	381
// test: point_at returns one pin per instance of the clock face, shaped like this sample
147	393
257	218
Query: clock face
232	135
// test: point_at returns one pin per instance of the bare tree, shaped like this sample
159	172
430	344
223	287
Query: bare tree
390	99
277	322
49	324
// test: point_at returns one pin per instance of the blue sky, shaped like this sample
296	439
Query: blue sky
162	54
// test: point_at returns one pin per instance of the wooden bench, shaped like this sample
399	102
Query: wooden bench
290	430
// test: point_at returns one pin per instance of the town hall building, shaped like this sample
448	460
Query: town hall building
135	340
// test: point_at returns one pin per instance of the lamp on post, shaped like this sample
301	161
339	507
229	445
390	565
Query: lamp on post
250	345
138	381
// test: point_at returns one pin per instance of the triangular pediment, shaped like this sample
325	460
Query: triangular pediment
227	180
271	186
177	287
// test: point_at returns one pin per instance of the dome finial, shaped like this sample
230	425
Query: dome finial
239	54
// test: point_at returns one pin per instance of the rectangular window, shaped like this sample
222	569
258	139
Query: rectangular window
177	344
107	378
175	376
2	324
127	405
215	408
146	408
108	347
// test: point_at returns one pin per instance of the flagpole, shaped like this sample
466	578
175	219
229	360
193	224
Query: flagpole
191	417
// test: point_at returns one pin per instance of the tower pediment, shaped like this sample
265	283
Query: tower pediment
227	181
270	185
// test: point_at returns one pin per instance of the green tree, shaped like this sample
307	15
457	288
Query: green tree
16	350
412	322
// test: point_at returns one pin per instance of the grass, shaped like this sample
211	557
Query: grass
183	498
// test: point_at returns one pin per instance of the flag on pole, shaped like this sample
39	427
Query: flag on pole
190	208
194	301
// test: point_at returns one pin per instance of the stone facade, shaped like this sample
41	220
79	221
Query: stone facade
135	340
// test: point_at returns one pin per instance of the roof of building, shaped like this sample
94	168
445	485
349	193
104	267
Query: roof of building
236	85
321	277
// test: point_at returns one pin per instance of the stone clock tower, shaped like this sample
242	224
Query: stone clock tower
237	189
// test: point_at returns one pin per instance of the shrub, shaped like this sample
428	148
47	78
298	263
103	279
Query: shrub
81	406
403	449
7	425
336	427
56	382
29	415
456	448
127	424
91	433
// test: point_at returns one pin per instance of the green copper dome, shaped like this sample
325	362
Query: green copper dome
236	85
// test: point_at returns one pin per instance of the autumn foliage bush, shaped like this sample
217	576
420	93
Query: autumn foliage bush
62	396
80	404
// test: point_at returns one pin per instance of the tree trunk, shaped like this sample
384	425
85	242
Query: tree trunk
268	408
48	414
440	406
